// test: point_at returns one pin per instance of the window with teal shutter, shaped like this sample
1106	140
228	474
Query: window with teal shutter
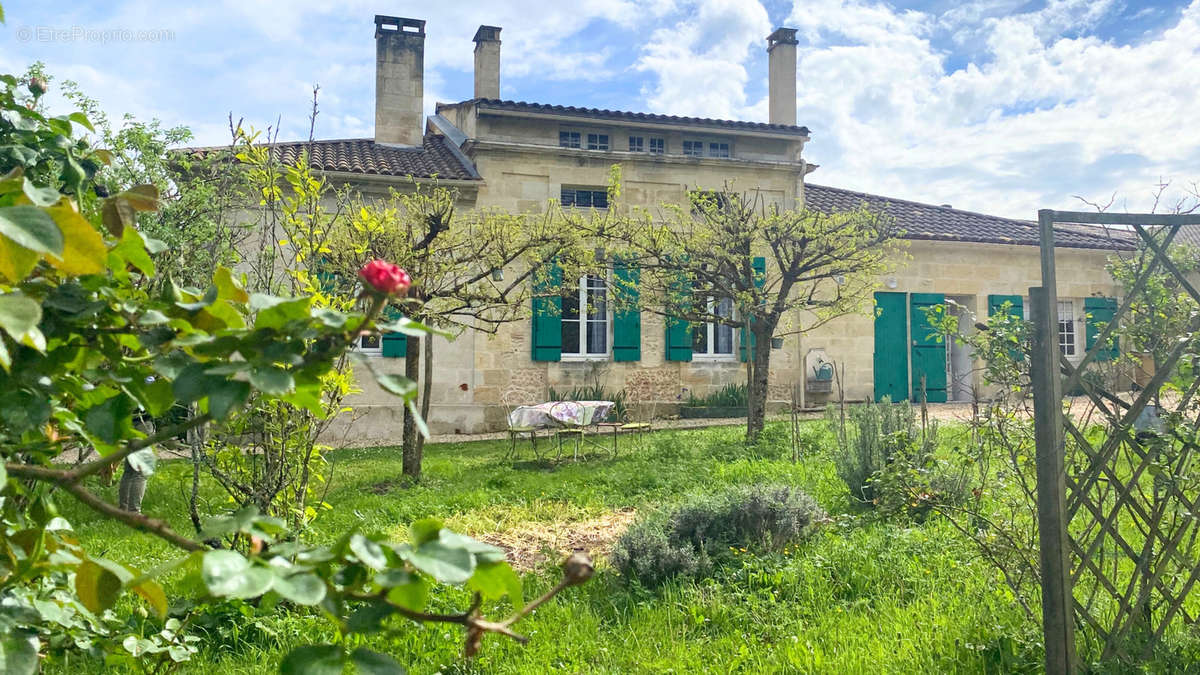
627	319
679	332
759	265
1016	308
1100	312
546	328
394	345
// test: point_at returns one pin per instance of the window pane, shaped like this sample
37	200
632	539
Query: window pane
570	305
718	149
1066	327
568	197
583	198
568	139
636	144
658	145
370	341
600	199
723	336
570	337
597	337
596	298
700	339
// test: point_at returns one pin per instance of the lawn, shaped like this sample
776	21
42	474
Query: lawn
862	596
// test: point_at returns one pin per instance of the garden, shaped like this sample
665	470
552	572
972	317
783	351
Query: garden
237	539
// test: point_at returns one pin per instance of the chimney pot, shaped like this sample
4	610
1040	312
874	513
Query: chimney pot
399	80
487	62
781	76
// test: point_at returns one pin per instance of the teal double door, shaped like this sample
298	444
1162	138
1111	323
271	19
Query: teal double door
908	356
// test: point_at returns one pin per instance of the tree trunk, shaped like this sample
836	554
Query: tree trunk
426	391
412	451
756	389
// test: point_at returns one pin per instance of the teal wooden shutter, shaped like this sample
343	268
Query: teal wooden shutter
679	332
394	345
928	353
759	265
546	330
627	319
1016	308
1100	312
891	347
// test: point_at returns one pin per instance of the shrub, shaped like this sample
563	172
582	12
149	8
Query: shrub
888	462
729	396
699	533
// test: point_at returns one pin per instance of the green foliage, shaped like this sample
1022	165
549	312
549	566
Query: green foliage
88	342
730	396
704	530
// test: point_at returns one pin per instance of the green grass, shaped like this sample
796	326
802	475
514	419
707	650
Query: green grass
863	596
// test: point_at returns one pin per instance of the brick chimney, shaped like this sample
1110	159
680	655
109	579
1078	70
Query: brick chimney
487	62
399	80
781	82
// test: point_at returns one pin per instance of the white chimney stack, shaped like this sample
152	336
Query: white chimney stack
487	62
781	83
399	80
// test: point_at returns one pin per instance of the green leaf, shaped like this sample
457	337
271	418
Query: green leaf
229	288
449	565
277	312
83	250
16	262
152	317
40	196
132	250
409	327
425	530
141	197
272	380
227	574
154	595
313	660
19	316
32	228
97	586
144	461
19	654
484	553
368	552
82	120
495	580
373	663
302	588
398	385
111	420
369	618
193	383
329	317
406	589
308	396
226	397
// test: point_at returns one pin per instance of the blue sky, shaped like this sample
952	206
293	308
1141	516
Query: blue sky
1002	106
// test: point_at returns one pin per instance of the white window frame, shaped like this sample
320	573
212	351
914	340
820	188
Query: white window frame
637	144
710	328
572	134
1066	326
693	143
377	350
662	145
583	320
714	152
593	142
593	189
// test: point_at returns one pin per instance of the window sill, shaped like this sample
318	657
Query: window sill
589	358
714	358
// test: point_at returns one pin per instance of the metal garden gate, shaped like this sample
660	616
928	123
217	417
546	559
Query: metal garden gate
1118	500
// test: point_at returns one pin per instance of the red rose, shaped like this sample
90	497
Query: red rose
384	277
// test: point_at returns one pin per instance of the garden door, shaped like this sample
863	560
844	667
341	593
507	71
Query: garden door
891	346
928	352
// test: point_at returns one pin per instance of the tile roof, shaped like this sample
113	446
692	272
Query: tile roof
364	156
942	223
621	115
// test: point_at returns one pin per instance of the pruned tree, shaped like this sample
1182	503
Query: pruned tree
474	270
781	271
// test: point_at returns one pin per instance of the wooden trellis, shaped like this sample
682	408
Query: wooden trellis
1118	511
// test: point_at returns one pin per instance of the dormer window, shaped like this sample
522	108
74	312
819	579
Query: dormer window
597	141
568	139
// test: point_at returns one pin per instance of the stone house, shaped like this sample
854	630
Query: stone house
519	156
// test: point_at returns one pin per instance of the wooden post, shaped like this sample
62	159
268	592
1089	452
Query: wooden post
1058	608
